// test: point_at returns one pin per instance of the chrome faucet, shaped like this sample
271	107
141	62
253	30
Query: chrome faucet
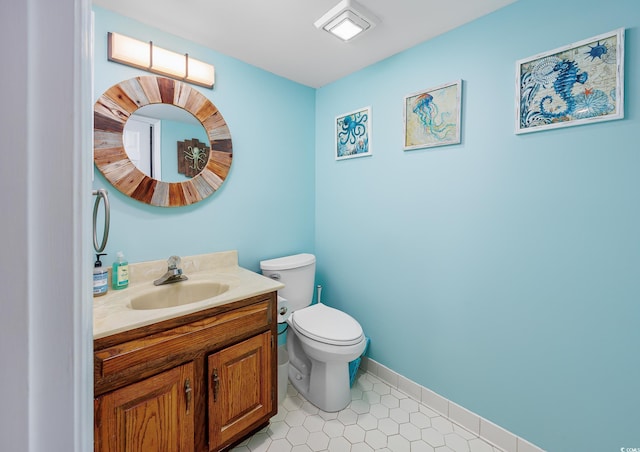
173	274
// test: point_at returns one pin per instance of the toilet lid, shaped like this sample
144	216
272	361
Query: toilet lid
324	324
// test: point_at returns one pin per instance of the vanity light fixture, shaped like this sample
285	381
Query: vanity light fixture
347	20
144	55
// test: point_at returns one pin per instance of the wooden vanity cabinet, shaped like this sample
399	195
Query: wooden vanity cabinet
238	395
152	415
201	382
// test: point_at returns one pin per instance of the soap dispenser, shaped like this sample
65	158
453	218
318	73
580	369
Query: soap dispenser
100	277
120	272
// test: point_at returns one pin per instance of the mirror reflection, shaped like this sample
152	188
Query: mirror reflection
166	142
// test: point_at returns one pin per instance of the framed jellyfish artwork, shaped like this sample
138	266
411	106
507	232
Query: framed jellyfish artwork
577	84
432	117
353	134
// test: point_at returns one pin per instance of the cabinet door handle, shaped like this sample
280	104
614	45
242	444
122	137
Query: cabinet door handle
187	393
215	381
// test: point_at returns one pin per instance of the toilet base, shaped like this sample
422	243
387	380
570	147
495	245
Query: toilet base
319	371
326	386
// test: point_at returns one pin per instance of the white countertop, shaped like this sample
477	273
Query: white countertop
112	313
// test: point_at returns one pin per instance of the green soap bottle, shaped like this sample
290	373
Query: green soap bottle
120	272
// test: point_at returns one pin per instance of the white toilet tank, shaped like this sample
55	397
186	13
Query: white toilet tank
297	273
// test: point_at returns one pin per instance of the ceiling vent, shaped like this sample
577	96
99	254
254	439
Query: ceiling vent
347	20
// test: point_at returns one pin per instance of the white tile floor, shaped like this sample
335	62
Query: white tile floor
379	418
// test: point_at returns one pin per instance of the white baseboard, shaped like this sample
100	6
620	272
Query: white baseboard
487	430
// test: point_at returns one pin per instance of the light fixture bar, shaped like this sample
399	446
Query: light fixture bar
149	57
168	63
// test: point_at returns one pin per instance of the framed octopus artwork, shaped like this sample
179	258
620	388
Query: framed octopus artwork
577	84
353	134
432	116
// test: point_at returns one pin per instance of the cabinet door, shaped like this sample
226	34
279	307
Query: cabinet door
240	389
153	415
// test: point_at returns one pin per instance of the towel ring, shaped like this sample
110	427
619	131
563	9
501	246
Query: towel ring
101	194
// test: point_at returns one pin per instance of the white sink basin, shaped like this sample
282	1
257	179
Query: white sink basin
177	294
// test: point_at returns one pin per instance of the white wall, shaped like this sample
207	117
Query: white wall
44	197
13	224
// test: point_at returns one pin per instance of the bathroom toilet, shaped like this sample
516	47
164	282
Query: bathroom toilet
321	341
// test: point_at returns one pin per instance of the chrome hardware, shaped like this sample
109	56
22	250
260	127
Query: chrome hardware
187	393
275	276
173	274
101	193
283	310
174	262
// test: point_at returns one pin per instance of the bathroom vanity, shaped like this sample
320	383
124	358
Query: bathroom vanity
197	376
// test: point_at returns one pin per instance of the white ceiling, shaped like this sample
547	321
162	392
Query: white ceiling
279	35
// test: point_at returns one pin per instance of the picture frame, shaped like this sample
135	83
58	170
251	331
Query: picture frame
193	156
432	117
353	134
580	83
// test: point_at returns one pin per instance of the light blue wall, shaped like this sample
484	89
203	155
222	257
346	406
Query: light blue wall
266	206
504	272
501	273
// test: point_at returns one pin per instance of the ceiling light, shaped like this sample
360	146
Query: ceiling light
347	20
144	55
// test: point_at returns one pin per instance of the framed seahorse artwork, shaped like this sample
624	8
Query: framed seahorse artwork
353	134
432	116
577	84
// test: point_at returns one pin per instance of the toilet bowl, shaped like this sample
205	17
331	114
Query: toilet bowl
321	340
320	367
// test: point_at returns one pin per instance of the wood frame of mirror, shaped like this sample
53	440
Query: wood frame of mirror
111	112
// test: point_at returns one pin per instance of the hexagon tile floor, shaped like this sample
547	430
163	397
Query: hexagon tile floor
379	418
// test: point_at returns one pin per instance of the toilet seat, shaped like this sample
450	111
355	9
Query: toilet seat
327	325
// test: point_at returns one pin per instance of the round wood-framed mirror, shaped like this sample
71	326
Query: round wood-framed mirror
118	103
